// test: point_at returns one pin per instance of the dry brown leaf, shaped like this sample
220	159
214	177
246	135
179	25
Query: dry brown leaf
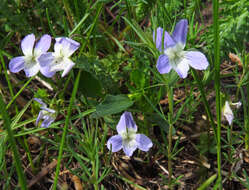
235	59
34	140
246	156
42	173
77	183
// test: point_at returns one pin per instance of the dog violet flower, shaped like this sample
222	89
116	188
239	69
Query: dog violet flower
227	111
173	54
46	114
127	137
59	59
29	62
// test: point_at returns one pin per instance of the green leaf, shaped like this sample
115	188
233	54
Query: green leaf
138	78
113	104
207	182
89	85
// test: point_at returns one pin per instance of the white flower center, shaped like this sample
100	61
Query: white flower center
58	61
175	54
30	60
129	137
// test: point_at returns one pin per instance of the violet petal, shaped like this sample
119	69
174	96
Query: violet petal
143	142
31	69
40	102
180	32
69	46
168	40
182	68
16	64
114	143
228	113
197	60
47	122
40	115
129	148
42	45
163	65
126	120
158	35
69	65
27	44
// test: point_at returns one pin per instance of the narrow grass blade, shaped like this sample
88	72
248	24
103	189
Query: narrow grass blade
217	83
207	182
79	24
49	23
19	92
204	100
12	142
69	111
7	78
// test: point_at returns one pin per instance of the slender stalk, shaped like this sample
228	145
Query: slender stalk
230	150
91	29
204	100
26	146
17	159
7	79
19	92
65	87
246	121
240	84
217	84
49	23
170	116
67	9
69	111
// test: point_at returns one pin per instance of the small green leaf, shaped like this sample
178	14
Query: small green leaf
208	182
89	85
113	104
138	78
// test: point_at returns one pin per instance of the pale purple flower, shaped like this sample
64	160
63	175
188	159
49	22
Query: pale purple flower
174	56
127	137
227	111
29	62
47	115
59	60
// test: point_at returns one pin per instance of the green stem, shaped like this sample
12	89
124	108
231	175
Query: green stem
65	87
230	148
67	10
91	29
17	159
246	120
170	116
239	85
204	100
8	80
95	176
69	111
217	84
26	146
19	92
49	24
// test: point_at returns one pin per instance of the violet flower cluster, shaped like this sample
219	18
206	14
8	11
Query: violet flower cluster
37	58
173	55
